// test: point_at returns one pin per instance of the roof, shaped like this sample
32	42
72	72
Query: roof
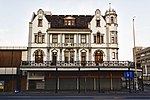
81	21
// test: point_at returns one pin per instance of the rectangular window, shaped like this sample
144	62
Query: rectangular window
69	38
36	38
94	39
66	56
39	22
66	38
54	38
102	39
97	23
72	38
40	38
69	22
113	55
71	56
113	40
83	38
83	57
98	38
43	38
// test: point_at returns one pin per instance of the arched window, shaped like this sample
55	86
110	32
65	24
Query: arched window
98	56
39	56
39	38
98	37
112	19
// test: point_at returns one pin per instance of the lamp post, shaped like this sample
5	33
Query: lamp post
134	52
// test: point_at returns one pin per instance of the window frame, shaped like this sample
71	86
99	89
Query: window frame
54	38
83	38
40	22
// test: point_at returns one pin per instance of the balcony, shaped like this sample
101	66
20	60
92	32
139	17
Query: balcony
69	45
75	64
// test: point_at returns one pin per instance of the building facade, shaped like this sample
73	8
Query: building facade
73	53
143	58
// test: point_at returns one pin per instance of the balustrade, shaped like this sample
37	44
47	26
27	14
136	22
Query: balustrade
76	64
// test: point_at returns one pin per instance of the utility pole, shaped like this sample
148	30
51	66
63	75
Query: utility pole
134	52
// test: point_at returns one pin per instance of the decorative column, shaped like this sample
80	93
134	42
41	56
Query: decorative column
77	42
61	38
48	47
29	42
107	43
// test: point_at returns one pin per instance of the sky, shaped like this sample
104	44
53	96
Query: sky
15	16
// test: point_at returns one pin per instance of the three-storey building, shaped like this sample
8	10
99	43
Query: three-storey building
73	52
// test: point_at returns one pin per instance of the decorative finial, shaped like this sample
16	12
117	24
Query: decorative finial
109	6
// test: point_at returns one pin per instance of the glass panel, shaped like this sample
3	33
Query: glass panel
66	38
97	23
40	23
83	38
36	39
54	38
102	39
71	38
71	57
43	38
66	56
98	38
38	56
94	39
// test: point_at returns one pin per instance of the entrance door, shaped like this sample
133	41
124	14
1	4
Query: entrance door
54	58
98	56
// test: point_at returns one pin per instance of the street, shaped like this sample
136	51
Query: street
101	96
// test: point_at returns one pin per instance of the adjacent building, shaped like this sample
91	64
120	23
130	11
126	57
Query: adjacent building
10	60
143	58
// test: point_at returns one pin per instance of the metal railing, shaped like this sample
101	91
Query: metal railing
77	64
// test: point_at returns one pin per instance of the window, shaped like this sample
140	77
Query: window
94	39
36	38
69	38
113	39
39	38
98	37
112	19
97	23
69	22
117	55
83	58
69	56
83	38
39	56
54	38
39	22
66	56
98	56
113	55
102	39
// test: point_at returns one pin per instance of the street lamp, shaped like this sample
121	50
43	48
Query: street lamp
134	52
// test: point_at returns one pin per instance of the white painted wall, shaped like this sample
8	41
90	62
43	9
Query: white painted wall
94	30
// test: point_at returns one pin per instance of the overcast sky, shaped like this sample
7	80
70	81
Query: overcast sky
16	14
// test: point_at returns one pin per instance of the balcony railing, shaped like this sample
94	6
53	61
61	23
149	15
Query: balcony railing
69	44
77	64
